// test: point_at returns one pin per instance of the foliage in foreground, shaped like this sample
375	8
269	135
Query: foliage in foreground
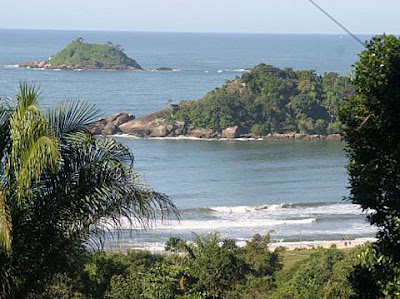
373	137
210	267
58	184
271	100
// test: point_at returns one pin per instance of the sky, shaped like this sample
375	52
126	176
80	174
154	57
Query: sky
242	16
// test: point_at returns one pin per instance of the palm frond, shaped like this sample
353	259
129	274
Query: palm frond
42	154
28	94
33	148
100	185
72	116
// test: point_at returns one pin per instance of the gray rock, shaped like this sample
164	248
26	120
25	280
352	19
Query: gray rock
230	132
178	128
200	133
298	136
120	118
334	137
123	118
159	131
111	129
98	127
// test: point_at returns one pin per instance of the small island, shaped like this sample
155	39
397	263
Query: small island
85	56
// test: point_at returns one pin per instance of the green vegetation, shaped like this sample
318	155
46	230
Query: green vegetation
209	267
271	100
58	184
372	133
80	54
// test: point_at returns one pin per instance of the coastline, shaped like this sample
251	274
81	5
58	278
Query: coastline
156	126
272	137
44	65
289	246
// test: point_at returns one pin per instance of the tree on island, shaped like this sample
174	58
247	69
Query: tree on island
61	189
372	133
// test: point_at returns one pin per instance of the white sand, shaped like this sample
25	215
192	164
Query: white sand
340	244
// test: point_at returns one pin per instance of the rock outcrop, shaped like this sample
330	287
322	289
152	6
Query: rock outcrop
230	132
110	125
154	125
44	64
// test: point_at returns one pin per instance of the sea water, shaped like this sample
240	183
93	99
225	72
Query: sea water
293	189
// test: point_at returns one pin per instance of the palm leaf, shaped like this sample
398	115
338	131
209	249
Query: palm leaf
72	116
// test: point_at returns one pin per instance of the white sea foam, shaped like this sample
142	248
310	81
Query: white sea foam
211	225
10	66
245	209
293	209
181	137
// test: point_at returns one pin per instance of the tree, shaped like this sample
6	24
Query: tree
372	132
61	188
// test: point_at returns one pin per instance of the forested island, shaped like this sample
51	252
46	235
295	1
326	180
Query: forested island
265	102
82	55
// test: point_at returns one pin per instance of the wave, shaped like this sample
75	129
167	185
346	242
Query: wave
211	225
155	70
240	70
10	66
285	209
245	209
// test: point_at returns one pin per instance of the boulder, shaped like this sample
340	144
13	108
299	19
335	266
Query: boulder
314	137
111	129
200	133
230	132
178	128
334	137
123	118
98	126
120	118
159	131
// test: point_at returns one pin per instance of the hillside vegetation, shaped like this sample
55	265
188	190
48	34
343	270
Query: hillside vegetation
271	100
208	268
80	53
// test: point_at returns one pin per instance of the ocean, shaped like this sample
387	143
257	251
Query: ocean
293	189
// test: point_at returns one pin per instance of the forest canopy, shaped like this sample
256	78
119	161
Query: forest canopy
271	100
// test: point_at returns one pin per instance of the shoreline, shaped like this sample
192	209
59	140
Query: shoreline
288	245
273	137
340	244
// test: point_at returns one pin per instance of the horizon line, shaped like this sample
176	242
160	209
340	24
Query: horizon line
194	32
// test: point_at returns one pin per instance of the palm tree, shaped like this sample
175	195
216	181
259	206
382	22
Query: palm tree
61	189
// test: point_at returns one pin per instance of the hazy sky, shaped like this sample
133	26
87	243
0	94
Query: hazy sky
261	16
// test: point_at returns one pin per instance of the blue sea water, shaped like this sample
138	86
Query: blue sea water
235	187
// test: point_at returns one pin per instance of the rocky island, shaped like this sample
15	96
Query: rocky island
81	55
267	103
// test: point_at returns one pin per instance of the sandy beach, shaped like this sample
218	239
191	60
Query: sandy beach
340	244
